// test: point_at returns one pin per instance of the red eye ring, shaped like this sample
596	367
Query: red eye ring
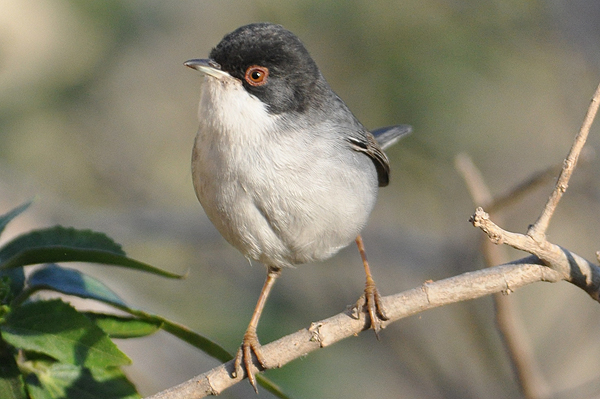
256	75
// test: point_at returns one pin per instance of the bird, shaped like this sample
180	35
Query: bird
283	169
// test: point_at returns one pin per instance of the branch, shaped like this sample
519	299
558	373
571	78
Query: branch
573	268
570	266
511	329
504	279
538	230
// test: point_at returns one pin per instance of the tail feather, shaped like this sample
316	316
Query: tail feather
387	136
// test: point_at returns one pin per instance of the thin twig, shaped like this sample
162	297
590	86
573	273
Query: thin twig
579	271
572	267
538	230
510	327
474	180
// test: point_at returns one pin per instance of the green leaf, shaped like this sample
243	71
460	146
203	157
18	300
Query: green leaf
11	380
60	381
62	244
185	334
58	330
72	282
14	281
5	290
12	388
10	215
271	386
3	311
61	236
124	327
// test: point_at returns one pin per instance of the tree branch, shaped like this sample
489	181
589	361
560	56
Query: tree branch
570	266
538	230
511	329
504	279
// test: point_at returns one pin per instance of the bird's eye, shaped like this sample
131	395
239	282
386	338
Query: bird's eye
256	75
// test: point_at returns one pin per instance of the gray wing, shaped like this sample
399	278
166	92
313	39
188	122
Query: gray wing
369	146
372	144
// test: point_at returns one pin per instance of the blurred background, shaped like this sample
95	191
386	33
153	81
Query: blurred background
97	120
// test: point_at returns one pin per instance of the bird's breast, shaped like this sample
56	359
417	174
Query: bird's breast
279	195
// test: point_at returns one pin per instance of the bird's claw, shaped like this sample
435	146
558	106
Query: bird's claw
244	359
371	300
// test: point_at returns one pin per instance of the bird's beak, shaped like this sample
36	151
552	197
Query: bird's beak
208	67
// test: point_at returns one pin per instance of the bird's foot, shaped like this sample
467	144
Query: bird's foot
250	346
371	300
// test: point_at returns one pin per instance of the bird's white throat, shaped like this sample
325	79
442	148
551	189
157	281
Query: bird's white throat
228	110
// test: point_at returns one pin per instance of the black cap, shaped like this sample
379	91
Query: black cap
292	73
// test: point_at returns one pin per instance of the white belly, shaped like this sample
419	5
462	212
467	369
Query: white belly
279	198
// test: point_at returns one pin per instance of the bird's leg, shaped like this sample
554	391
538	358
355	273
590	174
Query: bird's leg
372	299
250	344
